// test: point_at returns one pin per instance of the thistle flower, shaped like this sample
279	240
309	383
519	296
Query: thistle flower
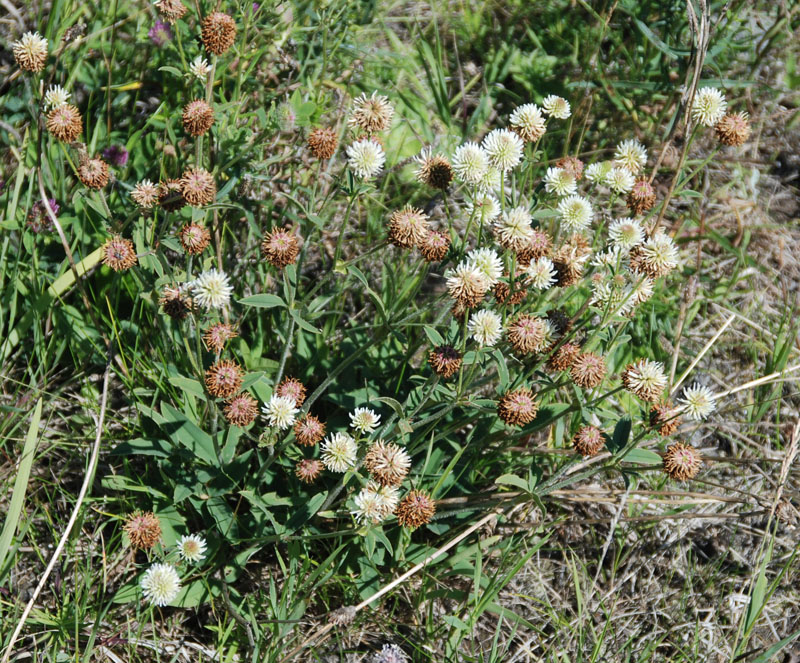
513	229
308	470
560	182
528	122
528	334
573	165
175	302
30	51
170	195
224	378
518	407
417	508
217	335
733	129
65	123
626	233
538	246
485	327
575	212
588	441
160	33
292	388
280	411
365	158
483	207
488	262
199	68
504	149
172	10
708	106
197	117
642	197
194	238
218	33
339	452
445	360
470	163
467	284
630	154
408	227
598	172
541	273
434	170
388	463
556	107
645	379
241	410
93	173
682	461
564	358
434	246
698	402
588	370
364	420
161	584
371	114
309	430
658	256
118	253
198	187
143	529
280	247
212	289
192	547
665	417
620	180
323	142
55	96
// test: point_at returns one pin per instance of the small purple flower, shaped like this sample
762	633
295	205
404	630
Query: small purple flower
160	33
116	155
38	218
255	7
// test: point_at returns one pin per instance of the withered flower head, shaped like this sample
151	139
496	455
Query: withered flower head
588	441
194	238
588	370
219	33
309	430
65	123
415	509
467	285
198	187
217	335
408	227
30	51
93	173
118	253
568	263
171	10
170	195
502	291
538	246
434	170
280	247
434	246
224	378
733	129
573	165
198	117
518	407
292	388
388	463
145	194
528	334
564	357
665	418
645	379
143	529
372	113
323	142
682	461
445	360
308	470
241	410
175	302
642	197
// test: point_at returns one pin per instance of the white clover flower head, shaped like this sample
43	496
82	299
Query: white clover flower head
541	273
485	327
365	158
626	233
527	120
709	106
630	154
560	182
161	584
513	229
660	253
610	296
390	653
199	68
339	452
612	257
30	51
490	181
598	172
556	107
364	420
642	290
212	289
55	96
466	278
621	180
698	402
645	376
488	262
280	411
575	212
483	207
192	547
504	148
369	508
470	163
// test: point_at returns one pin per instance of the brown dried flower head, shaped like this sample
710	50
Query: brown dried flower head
280	247
309	430
445	360
528	334
502	291
145	194
645	379
388	463
194	238
118	253
415	509
175	302
65	123
241	410
408	227
568	262
682	461
435	171
170	195
434	246
371	114
217	335
323	142
564	357
93	173
588	370
198	187
218	33
171	10
539	246
573	165
30	51
143	529
733	129
588	441
665	418
198	117
518	407
642	197
224	378
308	470
292	388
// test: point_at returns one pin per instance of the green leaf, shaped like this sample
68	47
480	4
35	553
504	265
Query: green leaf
263	300
186	432
643	457
306	511
189	386
621	434
512	480
433	336
302	323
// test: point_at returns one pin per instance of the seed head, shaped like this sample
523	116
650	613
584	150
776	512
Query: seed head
217	335
434	170
224	378
415	509
65	123
218	33
518	407
502	293
194	238
645	379
588	370
170	195
198	117
528	334
445	360
323	142
665	417
371	114
588	441
292	388
118	253
568	266
143	529
171	10
408	227
560	320
642	197
573	165
388	463
198	187
528	122
30	51
280	247
434	246
564	358
309	430
308	471
682	461
538	246
467	284
93	173
733	129
241	410
145	194
175	302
